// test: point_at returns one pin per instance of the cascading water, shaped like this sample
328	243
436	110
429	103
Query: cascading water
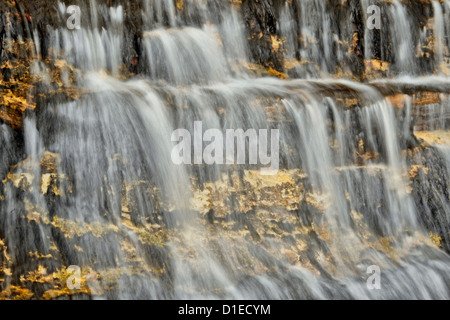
140	226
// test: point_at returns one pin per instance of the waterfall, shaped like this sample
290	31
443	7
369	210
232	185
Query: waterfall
401	33
438	33
94	184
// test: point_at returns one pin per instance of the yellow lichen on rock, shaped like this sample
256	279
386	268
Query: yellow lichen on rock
437	137
180	4
16	293
255	190
88	283
414	170
277	74
435	239
77	228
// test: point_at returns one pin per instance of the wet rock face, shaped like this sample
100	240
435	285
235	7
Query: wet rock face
261	21
15	79
431	193
11	150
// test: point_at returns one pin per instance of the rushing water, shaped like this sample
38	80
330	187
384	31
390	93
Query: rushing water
118	134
